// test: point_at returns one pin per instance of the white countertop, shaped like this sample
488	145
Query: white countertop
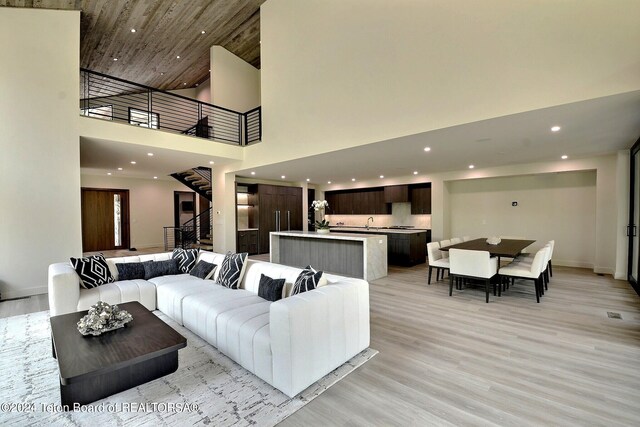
332	235
381	230
247	229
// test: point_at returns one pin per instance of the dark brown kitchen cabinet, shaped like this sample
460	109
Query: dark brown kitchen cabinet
420	199
248	241
279	209
396	194
366	201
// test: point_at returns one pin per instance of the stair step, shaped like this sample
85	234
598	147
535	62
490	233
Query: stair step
205	187
209	192
200	182
192	178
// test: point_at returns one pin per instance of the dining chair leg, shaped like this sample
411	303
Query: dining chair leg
537	284
429	280
450	285
546	282
486	289
550	268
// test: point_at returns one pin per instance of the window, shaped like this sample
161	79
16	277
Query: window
104	112
144	118
117	219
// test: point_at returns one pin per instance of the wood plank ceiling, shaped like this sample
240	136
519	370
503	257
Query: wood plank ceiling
164	30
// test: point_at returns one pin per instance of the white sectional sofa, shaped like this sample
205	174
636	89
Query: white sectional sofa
290	343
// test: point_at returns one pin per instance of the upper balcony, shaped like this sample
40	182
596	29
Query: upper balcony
110	98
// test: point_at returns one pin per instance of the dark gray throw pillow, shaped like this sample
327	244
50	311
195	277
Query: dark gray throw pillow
130	270
160	268
186	258
203	270
93	271
270	289
232	269
307	280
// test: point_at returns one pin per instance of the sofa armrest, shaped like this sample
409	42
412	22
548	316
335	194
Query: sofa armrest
315	332
64	289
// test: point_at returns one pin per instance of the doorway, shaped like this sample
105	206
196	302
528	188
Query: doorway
105	219
184	207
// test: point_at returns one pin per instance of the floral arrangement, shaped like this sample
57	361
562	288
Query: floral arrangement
320	205
103	317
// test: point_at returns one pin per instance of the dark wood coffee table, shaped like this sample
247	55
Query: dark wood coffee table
92	368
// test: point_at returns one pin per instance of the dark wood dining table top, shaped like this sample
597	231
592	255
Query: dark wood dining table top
506	248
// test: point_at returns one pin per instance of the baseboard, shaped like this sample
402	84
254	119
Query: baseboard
27	292
569	263
603	270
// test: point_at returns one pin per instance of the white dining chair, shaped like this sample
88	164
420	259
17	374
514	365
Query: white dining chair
436	261
530	271
466	238
456	240
443	243
467	264
546	269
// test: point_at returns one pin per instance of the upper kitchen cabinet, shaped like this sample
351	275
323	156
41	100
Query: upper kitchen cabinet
364	201
396	194
420	199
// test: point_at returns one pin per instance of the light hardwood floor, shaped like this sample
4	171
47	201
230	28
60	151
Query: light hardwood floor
459	361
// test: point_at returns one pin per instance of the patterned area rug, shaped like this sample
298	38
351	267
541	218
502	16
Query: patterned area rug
225	393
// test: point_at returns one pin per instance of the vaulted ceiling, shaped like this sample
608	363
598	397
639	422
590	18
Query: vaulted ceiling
164	31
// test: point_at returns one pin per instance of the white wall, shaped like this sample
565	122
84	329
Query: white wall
337	73
150	205
558	206
235	84
203	91
39	146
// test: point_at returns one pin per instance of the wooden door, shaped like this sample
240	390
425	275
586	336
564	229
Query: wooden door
105	219
293	209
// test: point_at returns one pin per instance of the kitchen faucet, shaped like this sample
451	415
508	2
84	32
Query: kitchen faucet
370	218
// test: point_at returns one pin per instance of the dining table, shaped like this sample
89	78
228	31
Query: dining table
508	248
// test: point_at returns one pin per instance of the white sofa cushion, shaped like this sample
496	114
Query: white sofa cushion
229	327
173	290
201	310
119	292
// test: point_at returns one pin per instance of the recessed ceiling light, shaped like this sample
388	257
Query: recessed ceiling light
133	30
133	162
415	172
202	32
115	59
184	84
564	157
155	177
178	57
209	70
150	154
196	84
427	148
283	177
381	176
253	173
162	74
328	182
211	162
471	166
119	169
108	173
353	179
308	180
555	128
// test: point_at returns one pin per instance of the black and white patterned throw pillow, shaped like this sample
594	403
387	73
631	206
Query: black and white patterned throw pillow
203	270
93	271
186	258
307	280
270	289
232	270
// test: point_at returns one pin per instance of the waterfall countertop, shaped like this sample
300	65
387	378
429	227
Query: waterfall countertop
332	236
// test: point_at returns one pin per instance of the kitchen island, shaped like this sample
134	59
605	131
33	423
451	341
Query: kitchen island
406	246
353	255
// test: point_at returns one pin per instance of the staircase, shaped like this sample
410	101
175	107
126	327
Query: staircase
195	233
198	179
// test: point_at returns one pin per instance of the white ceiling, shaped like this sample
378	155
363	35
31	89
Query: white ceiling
589	128
100	157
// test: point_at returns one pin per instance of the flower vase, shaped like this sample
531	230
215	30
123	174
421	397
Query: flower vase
323	231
